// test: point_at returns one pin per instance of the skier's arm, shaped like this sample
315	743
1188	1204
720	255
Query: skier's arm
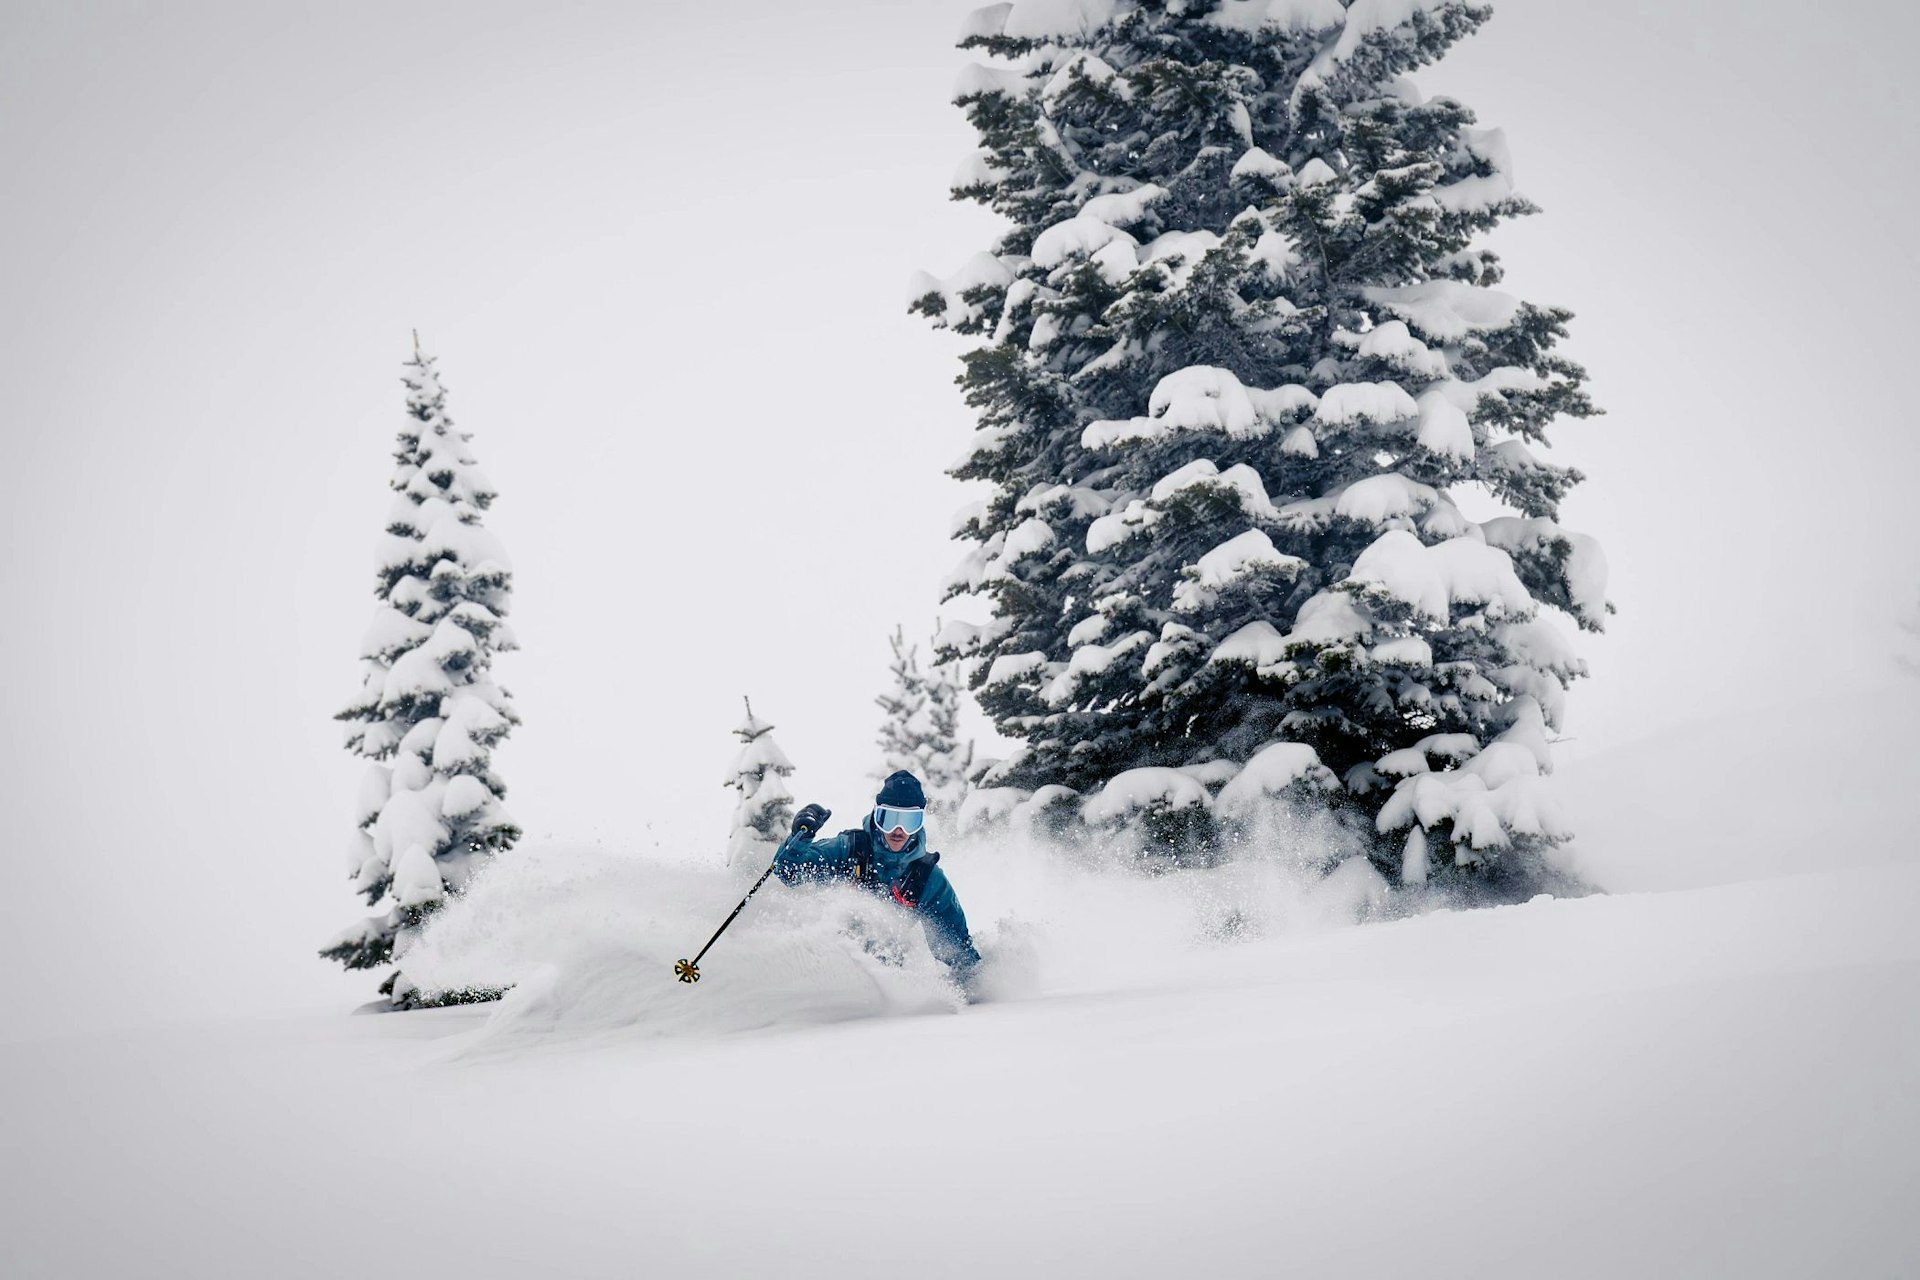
944	922
803	858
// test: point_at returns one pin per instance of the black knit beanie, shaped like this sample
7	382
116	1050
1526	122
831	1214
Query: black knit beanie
901	791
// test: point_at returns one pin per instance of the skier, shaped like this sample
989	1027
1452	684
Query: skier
887	855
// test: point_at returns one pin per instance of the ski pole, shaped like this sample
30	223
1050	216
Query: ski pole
689	970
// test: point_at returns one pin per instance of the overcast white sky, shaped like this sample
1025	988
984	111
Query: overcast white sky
662	254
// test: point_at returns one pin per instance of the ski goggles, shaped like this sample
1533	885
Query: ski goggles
887	819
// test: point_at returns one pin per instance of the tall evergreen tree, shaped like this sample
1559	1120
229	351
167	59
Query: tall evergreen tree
429	713
1240	349
920	731
764	815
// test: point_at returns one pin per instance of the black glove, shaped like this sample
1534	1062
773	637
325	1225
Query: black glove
913	881
810	820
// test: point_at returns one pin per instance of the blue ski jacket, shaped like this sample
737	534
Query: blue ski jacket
862	856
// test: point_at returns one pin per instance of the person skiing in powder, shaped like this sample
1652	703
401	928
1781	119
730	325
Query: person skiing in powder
886	855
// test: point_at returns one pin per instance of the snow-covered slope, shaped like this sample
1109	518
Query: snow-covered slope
1781	788
1716	1081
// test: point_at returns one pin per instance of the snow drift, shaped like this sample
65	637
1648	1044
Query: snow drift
586	936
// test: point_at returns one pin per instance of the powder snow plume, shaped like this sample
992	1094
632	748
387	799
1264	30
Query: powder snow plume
586	936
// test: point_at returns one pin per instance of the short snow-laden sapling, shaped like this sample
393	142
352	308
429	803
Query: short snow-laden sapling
759	772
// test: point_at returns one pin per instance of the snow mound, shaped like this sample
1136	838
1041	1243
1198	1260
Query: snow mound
586	940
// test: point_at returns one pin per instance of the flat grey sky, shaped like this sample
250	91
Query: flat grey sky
662	254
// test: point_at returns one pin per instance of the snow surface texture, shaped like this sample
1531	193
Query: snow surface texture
1811	785
1189	1074
1714	1082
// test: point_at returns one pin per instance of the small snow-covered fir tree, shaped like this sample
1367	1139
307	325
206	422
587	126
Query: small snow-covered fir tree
922	726
949	760
904	726
429	713
764	815
1240	348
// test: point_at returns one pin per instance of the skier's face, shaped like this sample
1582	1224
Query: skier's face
897	839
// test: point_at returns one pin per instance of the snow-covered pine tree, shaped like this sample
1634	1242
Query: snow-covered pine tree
764	815
429	713
903	727
1241	349
921	730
